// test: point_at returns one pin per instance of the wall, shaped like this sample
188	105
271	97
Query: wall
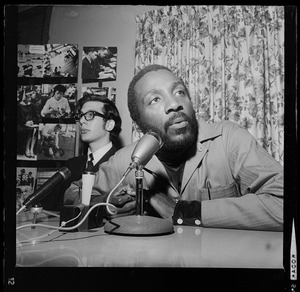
105	25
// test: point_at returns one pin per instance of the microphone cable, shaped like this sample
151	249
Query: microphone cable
48	234
112	191
61	228
21	209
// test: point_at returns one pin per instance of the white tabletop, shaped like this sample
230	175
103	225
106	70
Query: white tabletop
186	247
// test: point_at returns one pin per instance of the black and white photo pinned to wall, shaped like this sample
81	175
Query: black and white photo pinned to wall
29	100
56	141
50	60
58	102
25	184
99	63
30	61
109	92
61	60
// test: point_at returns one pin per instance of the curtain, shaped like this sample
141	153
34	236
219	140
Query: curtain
231	59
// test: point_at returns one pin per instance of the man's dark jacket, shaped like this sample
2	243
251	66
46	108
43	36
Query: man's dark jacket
54	200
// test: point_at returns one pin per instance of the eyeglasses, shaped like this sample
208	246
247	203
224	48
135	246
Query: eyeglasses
90	115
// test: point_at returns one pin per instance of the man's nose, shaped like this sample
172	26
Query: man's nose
82	120
173	104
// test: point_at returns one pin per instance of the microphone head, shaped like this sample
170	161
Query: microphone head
65	172
148	145
60	176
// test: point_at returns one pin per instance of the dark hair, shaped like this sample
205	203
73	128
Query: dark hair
131	94
102	49
109	110
58	127
59	88
89	49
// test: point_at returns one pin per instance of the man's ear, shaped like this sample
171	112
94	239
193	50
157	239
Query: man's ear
110	124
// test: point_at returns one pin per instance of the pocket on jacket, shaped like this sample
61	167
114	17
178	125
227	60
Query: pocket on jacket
227	191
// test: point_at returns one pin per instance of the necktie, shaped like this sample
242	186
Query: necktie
90	164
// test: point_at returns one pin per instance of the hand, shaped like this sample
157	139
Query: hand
161	203
124	201
29	123
72	195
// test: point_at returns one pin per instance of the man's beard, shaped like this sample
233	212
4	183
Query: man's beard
189	133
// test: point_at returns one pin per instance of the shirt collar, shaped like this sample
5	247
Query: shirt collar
207	131
100	152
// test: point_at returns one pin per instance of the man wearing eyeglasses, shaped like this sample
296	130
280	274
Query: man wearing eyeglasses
99	128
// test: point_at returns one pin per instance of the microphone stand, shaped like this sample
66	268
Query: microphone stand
36	210
139	175
139	224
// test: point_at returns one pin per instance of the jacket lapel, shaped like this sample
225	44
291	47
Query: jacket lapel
156	169
207	132
105	157
193	163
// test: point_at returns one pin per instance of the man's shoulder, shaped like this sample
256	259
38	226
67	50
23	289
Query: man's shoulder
224	128
76	161
125	152
127	148
221	125
86	62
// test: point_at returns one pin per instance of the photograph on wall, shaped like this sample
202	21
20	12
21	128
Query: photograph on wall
28	119
56	141
44	174
30	60
109	92
50	60
99	64
25	184
61	60
57	101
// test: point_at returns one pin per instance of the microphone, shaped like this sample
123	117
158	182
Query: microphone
139	224
60	176
149	144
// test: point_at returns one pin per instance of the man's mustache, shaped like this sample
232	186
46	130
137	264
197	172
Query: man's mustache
170	121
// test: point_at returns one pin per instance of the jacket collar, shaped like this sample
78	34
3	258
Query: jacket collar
207	131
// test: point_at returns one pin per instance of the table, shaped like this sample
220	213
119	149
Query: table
186	247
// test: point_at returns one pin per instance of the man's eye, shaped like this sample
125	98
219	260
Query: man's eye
180	93
154	100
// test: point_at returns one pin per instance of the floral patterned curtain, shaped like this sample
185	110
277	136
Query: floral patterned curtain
230	57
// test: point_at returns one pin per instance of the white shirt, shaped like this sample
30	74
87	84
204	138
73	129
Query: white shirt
56	105
100	152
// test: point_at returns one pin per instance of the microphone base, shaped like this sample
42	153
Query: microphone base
138	225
